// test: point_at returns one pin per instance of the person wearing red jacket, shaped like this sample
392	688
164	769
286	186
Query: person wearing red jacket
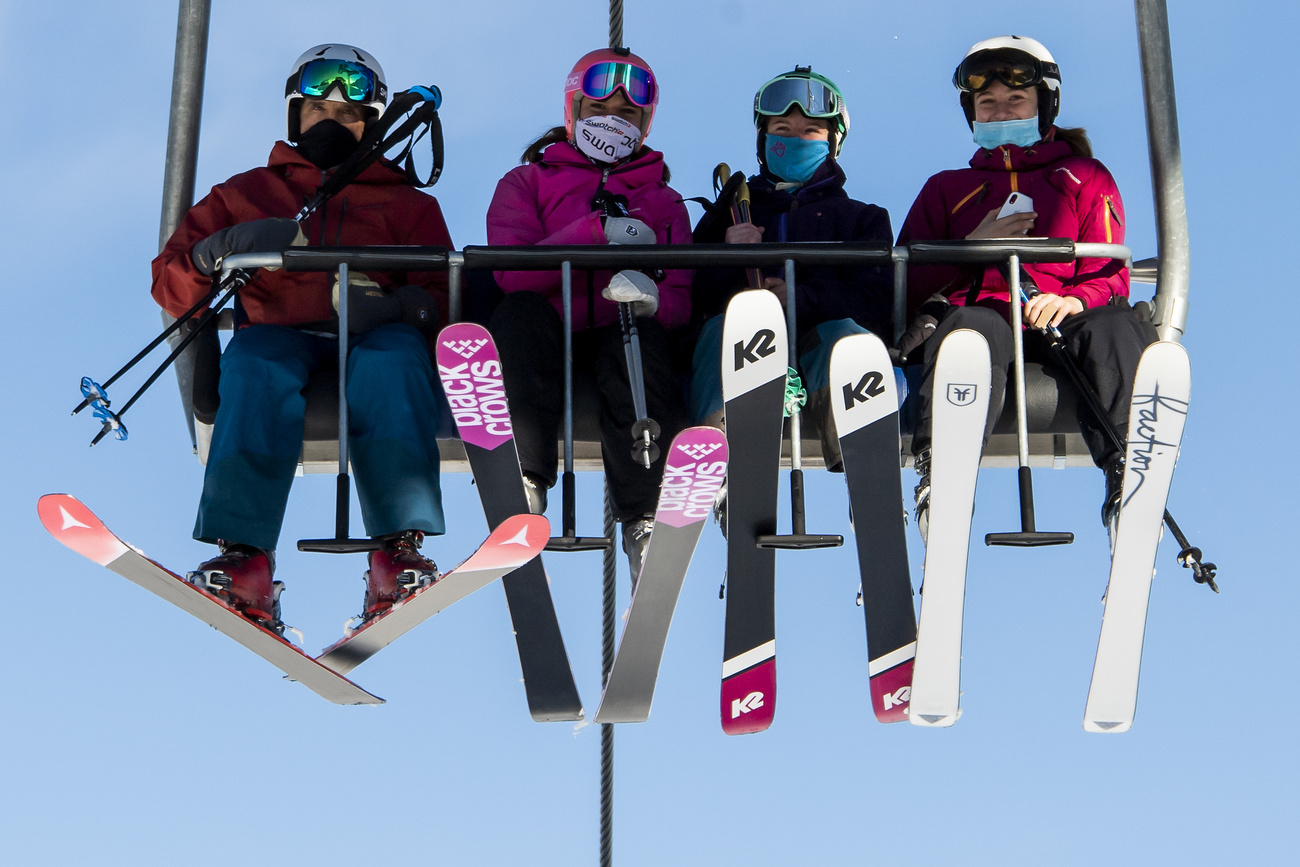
287	326
593	181
1010	91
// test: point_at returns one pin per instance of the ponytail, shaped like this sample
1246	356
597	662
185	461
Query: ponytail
1077	138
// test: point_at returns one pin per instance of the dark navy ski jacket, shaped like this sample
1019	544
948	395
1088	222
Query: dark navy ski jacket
820	210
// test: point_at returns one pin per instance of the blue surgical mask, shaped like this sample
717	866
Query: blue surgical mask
795	159
1002	132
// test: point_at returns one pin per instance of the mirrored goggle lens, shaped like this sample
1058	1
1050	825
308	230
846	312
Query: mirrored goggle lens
813	98
603	79
354	81
1014	70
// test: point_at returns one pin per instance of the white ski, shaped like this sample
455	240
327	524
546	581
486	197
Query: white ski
1161	393
961	398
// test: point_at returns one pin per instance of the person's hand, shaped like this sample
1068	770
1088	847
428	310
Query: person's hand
635	288
628	230
744	233
776	286
1045	310
270	235
1008	227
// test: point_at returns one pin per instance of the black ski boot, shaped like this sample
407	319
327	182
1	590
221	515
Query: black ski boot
636	538
921	493
241	576
1114	472
535	491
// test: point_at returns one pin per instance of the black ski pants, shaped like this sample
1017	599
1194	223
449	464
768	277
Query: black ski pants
529	334
1107	342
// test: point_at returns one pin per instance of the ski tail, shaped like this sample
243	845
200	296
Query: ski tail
749	690
1161	395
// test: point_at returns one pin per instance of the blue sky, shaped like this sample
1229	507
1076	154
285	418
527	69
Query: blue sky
136	736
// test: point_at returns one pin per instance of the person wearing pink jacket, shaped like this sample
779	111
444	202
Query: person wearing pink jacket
1010	90
593	181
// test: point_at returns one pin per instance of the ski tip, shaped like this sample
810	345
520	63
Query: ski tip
1106	727
68	519
933	720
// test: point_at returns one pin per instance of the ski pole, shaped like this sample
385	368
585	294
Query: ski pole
371	147
740	212
645	430
1189	555
1028	537
99	399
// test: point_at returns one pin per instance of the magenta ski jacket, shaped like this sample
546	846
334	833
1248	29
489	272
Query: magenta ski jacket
549	202
1075	198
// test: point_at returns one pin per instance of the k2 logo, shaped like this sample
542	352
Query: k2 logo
961	393
868	387
698	452
751	702
465	348
761	345
902	696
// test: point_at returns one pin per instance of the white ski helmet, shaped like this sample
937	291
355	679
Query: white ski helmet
353	76
1016	61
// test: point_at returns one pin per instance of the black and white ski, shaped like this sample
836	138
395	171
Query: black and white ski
515	542
1161	392
864	400
960	406
754	364
72	523
694	469
470	370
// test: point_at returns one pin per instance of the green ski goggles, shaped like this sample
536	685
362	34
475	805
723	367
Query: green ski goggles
317	78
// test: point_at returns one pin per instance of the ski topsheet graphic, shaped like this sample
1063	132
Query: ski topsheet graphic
73	524
513	543
754	363
960	407
470	370
864	400
694	469
1161	392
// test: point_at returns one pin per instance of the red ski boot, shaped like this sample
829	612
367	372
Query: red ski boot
396	572
241	577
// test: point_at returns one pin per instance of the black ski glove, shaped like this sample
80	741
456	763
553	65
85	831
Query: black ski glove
270	235
922	326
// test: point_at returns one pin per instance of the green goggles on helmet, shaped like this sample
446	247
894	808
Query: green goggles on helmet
317	78
1012	67
812	97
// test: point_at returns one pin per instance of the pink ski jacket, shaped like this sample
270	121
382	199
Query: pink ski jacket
549	203
1075	197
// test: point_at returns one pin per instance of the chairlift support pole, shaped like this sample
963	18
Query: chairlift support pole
1174	269
798	540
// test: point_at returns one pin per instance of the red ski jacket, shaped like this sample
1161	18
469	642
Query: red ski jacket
549	202
376	208
1075	197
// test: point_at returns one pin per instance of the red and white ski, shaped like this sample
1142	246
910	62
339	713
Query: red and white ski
72	523
514	542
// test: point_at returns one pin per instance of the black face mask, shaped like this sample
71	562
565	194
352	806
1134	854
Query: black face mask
327	143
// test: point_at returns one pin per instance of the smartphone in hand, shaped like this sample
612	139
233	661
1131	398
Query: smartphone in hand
1016	203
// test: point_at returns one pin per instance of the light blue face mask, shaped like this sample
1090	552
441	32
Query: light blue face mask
795	159
1016	132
